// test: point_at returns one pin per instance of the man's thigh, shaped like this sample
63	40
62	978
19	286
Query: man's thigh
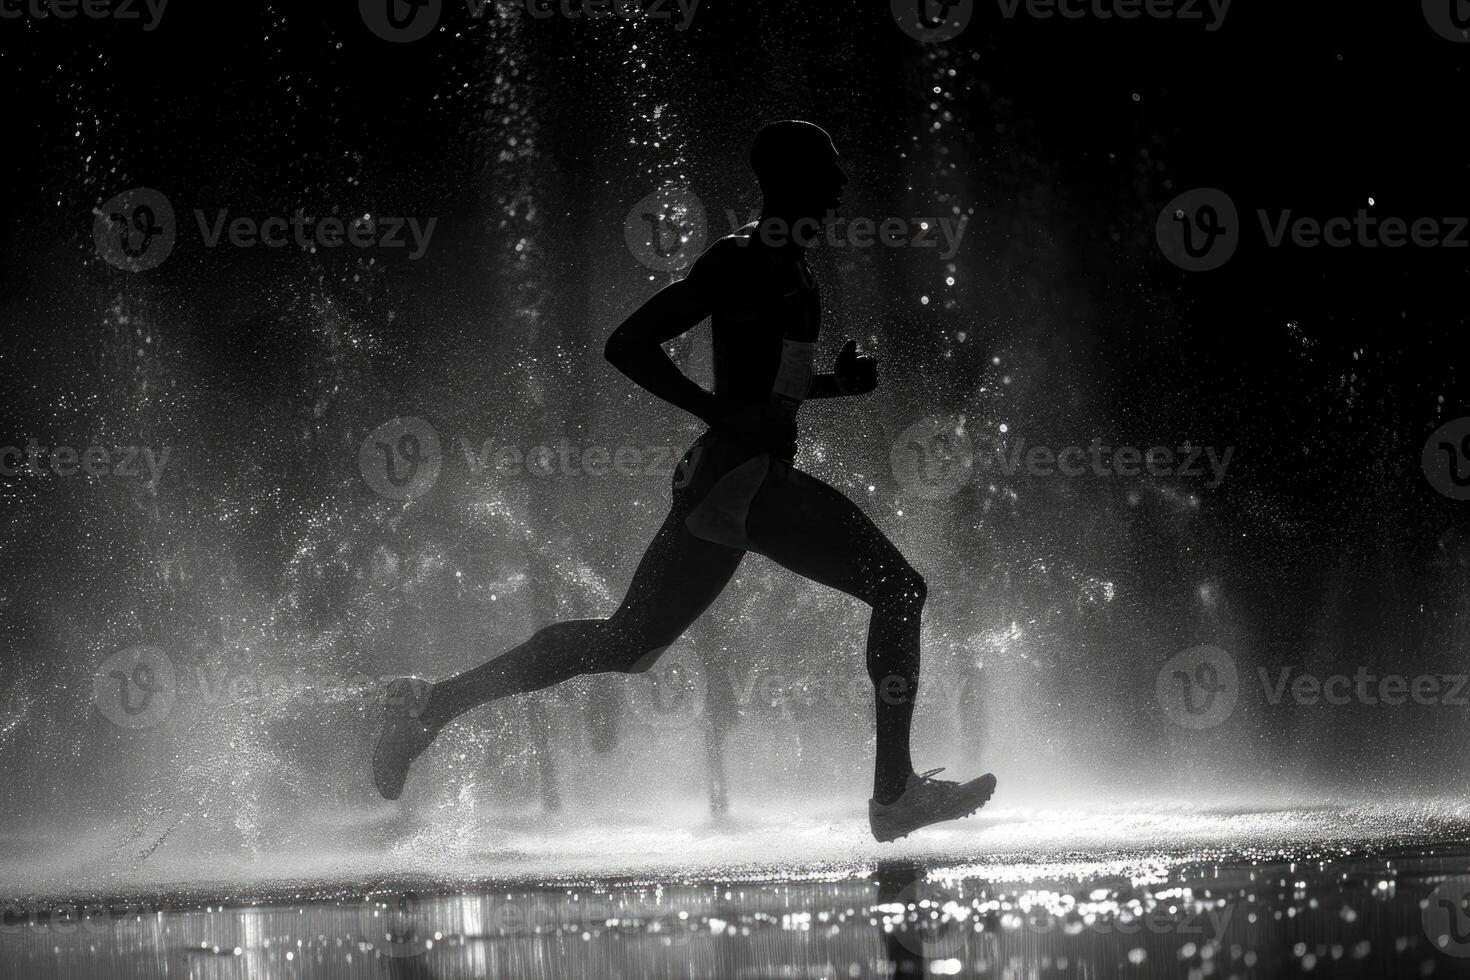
811	528
677	579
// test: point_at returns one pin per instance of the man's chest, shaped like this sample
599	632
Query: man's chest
783	304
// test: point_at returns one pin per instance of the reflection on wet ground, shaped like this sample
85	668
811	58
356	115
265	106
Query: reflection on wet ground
1394	906
1381	917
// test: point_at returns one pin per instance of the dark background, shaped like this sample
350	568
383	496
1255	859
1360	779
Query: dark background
1325	369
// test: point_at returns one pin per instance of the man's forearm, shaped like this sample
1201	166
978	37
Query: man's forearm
826	386
649	367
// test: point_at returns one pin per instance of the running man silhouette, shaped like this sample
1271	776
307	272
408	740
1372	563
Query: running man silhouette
735	491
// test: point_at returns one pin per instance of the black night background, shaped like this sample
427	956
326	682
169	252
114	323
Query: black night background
237	533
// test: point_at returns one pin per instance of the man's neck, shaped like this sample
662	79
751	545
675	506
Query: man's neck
781	230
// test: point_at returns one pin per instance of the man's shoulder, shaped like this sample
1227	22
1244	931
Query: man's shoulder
730	253
740	241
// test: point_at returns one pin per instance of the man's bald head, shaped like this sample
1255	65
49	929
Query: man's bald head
796	164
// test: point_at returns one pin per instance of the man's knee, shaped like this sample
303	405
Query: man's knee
901	588
604	646
635	648
645	661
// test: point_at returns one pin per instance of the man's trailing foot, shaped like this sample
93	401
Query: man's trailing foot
404	736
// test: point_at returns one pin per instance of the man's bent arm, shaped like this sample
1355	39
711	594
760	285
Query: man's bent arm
635	348
827	386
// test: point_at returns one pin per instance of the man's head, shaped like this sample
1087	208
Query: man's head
798	170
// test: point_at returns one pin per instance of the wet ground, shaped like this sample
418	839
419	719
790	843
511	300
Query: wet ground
1324	891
